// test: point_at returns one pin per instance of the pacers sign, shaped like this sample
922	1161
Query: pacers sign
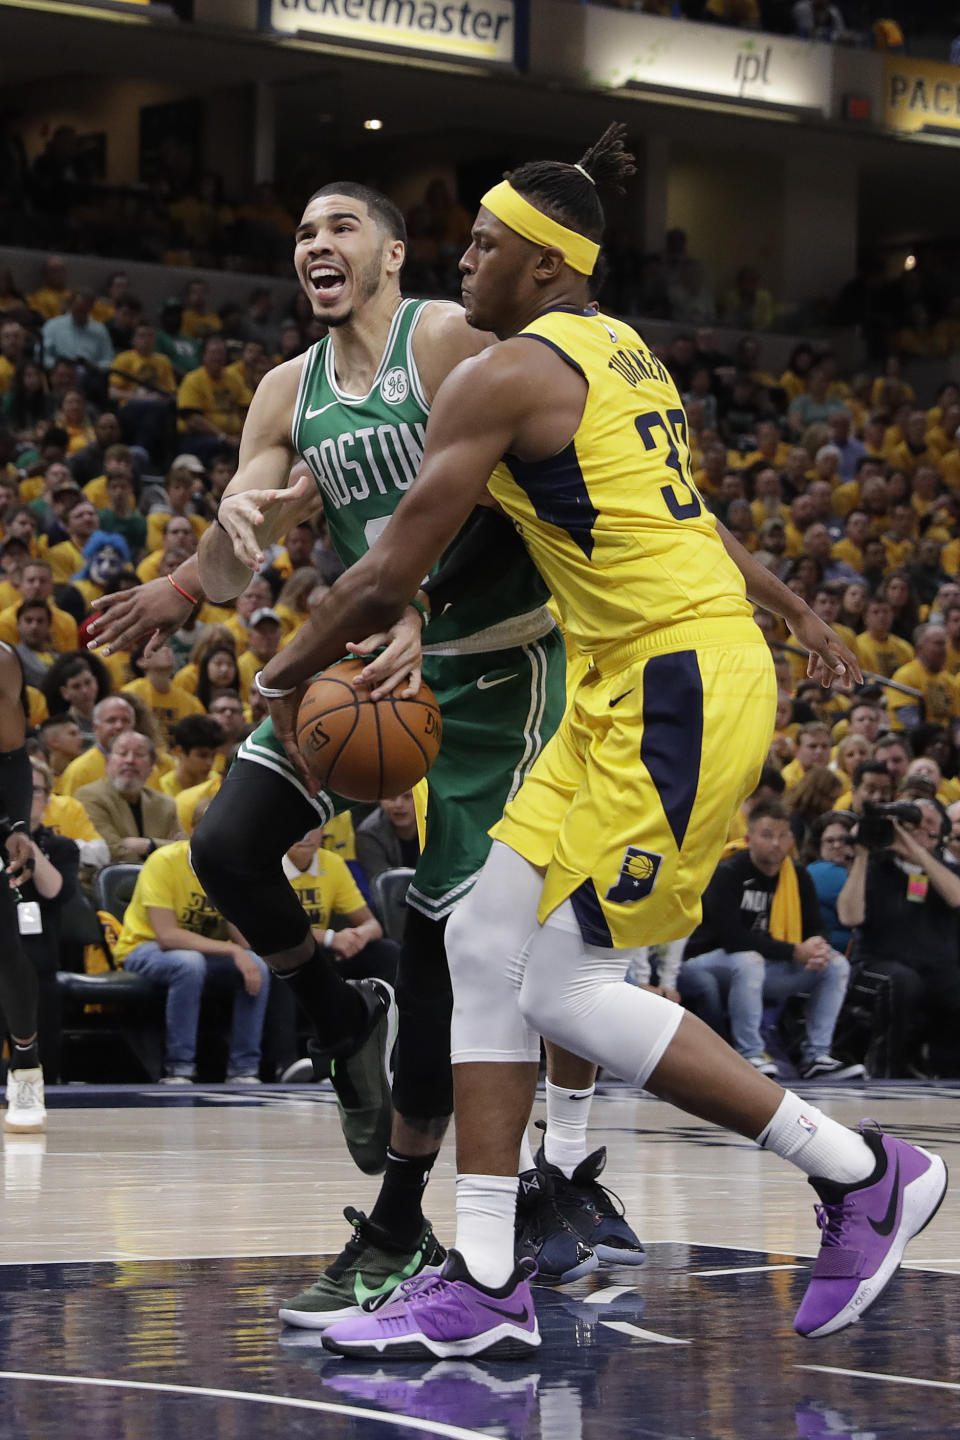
921	95
483	30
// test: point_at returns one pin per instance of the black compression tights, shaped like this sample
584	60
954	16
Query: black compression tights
18	978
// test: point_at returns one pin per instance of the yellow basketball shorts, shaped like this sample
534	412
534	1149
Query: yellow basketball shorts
628	807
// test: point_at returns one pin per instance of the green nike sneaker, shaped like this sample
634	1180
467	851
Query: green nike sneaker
366	1272
362	1079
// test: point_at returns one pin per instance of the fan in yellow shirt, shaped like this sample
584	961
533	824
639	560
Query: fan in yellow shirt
813	748
67	557
878	651
183	485
168	702
215	401
946	791
36	583
196	751
939	701
326	889
251	367
142	372
64	742
53	296
198	318
850	548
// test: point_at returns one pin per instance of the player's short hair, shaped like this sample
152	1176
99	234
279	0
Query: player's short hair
387	216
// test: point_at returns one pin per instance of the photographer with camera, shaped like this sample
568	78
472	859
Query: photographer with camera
904	903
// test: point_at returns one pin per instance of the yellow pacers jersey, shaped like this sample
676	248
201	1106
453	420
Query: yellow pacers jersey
614	522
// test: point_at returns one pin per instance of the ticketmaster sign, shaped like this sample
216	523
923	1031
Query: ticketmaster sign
643	51
484	30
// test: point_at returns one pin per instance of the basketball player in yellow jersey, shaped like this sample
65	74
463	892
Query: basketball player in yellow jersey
615	832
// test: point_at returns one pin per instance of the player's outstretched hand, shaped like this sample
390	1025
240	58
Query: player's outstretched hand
123	620
830	662
242	514
283	713
400	660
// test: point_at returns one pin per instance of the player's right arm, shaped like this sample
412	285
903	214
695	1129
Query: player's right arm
257	506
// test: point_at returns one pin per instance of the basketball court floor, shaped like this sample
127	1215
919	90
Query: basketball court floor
148	1238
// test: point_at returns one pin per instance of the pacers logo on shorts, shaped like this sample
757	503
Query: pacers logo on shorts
638	875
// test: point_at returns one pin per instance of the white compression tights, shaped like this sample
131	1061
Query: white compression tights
514	980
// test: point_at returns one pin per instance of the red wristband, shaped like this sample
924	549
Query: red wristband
181	591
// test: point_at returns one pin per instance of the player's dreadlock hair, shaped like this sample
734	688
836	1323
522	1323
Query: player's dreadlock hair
388	216
565	194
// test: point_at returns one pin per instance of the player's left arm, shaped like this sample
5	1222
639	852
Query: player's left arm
830	660
478	411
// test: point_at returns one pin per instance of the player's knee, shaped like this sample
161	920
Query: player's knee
839	966
472	949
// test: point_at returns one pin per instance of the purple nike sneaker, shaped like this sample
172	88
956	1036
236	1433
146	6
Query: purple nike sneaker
443	1316
865	1229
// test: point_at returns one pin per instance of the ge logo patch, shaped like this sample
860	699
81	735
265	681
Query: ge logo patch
395	387
638	876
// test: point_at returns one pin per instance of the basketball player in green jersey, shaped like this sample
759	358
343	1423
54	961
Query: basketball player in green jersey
355	409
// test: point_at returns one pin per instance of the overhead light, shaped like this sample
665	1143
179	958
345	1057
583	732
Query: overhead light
373	124
910	263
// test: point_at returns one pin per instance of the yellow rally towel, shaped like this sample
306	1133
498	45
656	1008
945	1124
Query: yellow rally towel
786	919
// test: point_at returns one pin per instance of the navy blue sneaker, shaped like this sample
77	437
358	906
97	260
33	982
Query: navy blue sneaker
591	1210
544	1236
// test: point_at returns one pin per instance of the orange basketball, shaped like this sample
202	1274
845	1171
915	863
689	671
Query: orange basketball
366	749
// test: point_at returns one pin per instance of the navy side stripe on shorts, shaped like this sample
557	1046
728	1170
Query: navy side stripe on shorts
672	740
590	917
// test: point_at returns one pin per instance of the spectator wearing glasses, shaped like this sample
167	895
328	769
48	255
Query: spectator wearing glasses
830	850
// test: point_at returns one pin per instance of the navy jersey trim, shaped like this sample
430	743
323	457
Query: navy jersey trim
672	741
558	493
552	344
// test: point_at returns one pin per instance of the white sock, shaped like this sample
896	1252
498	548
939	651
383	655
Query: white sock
486	1210
568	1113
526	1154
817	1145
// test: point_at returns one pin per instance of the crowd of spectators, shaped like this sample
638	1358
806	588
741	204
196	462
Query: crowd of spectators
847	489
117	437
878	24
119	433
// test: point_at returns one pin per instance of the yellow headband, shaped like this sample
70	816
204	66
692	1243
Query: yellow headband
519	215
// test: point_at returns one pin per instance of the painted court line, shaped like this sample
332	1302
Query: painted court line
429	1427
625	1328
605	1296
874	1375
744	1270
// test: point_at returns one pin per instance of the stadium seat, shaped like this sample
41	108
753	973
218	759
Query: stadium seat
112	1022
390	897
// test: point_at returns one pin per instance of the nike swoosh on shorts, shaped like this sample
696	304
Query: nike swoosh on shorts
484	684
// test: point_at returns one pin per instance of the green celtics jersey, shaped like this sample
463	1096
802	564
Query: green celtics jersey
365	452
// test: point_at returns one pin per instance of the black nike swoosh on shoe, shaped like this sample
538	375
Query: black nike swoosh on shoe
520	1316
884	1226
617	698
